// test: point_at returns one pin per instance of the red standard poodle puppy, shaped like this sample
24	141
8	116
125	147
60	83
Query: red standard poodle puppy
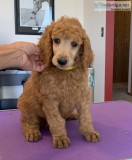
54	93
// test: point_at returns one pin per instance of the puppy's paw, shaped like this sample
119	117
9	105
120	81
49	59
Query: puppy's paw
61	142
33	135
92	136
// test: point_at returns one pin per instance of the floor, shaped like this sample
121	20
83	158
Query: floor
120	92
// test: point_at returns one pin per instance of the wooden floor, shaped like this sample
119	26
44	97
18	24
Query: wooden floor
120	92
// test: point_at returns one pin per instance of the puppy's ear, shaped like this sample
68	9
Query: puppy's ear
45	45
87	55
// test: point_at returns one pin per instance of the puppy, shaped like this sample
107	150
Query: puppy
54	93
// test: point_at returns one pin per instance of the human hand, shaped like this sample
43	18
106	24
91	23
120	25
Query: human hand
29	56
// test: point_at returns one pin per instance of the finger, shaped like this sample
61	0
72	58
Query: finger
40	63
36	53
34	49
40	68
36	57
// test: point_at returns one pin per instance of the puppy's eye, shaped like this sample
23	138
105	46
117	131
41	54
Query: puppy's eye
74	44
57	40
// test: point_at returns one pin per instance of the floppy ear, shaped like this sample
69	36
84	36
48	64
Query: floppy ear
45	45
87	55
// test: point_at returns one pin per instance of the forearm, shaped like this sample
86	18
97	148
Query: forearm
9	56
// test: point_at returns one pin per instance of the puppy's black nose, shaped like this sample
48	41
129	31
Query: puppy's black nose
62	62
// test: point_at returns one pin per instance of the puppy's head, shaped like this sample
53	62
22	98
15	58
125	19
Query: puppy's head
65	45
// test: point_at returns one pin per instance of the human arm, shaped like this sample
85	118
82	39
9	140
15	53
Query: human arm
24	55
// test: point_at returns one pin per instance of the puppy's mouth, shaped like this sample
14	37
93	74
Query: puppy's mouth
62	63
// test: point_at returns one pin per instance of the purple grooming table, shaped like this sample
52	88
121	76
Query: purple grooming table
113	120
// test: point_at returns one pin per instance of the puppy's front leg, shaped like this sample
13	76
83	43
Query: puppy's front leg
85	123
56	126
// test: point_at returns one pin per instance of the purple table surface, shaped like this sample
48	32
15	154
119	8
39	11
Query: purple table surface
113	120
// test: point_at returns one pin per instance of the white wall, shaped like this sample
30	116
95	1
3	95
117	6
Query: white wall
84	11
72	8
93	21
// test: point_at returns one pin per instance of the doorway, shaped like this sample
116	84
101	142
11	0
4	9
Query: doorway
121	55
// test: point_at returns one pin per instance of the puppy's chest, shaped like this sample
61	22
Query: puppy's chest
68	87
63	85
